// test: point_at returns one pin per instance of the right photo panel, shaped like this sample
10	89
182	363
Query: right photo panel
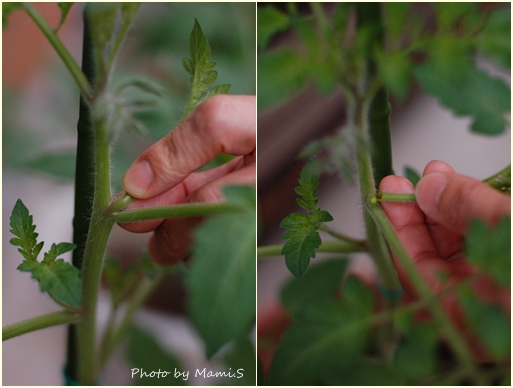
384	193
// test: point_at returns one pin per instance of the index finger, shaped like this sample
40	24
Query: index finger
221	124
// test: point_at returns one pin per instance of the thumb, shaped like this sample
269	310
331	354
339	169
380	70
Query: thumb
453	200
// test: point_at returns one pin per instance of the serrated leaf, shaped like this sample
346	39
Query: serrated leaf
60	278
309	181
320	216
321	280
327	336
56	250
23	228
222	275
65	8
468	92
300	248
199	66
270	21
490	248
7	9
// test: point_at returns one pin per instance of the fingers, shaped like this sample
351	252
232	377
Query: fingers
408	221
453	200
172	238
221	124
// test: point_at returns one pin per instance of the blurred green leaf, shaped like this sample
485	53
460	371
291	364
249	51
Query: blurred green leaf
412	175
495	38
59	164
396	68
490	248
22	226
280	74
327	336
65	8
396	18
416	357
322	279
367	374
448	13
145	354
489	322
241	358
222	276
7	9
468	91
270	21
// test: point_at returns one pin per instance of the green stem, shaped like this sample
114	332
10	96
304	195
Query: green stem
395	197
182	210
98	235
325	247
120	203
342	237
113	337
454	338
62	51
37	323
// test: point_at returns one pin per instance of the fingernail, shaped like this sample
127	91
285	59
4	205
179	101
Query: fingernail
138	178
429	190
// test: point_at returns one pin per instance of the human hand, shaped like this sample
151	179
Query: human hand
431	230
164	173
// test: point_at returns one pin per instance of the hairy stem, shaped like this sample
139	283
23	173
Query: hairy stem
62	51
182	210
325	247
38	323
342	237
444	324
395	197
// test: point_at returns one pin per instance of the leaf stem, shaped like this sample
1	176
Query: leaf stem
342	237
38	323
120	38
395	197
182	210
114	335
421	287
325	247
62	51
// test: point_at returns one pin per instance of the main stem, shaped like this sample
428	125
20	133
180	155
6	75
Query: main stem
99	231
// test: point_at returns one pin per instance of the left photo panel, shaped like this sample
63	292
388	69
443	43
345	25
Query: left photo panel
129	194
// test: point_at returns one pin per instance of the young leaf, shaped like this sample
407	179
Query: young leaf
61	279
7	8
222	273
270	21
23	228
199	67
65	8
303	238
56	250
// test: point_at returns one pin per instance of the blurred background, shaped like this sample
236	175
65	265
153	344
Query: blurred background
40	112
293	113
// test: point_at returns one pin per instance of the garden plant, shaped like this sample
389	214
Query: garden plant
343	331
220	275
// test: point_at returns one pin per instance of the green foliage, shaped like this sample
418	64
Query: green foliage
490	248
147	355
199	66
495	38
322	280
222	276
57	277
327	335
269	22
303	238
242	356
489	322
468	91
412	175
7	9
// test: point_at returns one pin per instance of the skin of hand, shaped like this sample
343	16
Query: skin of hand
164	174
431	230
